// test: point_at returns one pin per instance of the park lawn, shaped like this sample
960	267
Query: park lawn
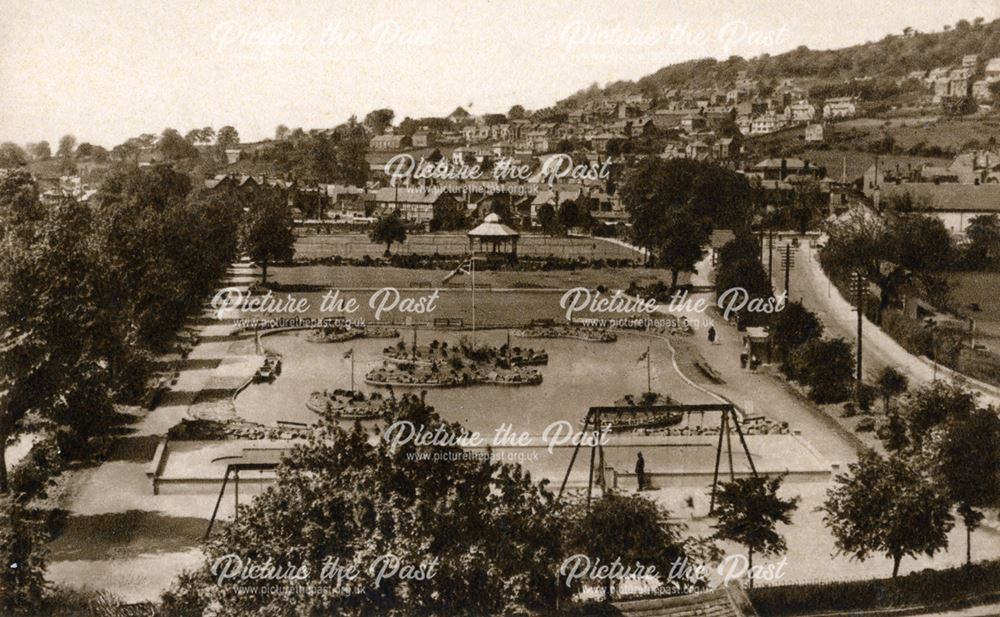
953	134
354	277
980	288
312	245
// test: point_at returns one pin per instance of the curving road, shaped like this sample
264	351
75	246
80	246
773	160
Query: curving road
809	284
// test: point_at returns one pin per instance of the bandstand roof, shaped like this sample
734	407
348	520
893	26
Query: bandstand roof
491	227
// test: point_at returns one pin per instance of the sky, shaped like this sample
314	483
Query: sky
106	70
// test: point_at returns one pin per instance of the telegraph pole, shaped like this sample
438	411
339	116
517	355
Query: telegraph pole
770	253
787	261
857	282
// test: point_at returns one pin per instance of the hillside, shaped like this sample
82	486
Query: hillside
892	57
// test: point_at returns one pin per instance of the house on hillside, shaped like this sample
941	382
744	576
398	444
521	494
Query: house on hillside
935	74
691	123
800	111
768	123
840	107
389	142
781	169
476	132
981	91
992	72
422	139
814	133
698	150
553	198
726	148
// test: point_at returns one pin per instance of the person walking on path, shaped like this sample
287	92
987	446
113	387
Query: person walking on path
640	472
711	335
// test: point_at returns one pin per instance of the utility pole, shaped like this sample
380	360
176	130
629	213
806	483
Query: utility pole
649	374
858	281
787	261
770	253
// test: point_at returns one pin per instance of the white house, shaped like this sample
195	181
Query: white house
840	107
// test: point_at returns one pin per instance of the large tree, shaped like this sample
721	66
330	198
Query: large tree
891	251
826	366
890	382
173	147
67	145
22	557
227	137
794	326
933	405
749	510
41	151
674	204
966	458
630	529
886	506
388	229
983	249
12	155
266	231
48	320
379	120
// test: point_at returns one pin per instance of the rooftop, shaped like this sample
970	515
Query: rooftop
491	227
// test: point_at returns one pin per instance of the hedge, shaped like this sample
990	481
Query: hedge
932	588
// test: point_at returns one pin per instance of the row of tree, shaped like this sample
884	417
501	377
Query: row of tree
88	293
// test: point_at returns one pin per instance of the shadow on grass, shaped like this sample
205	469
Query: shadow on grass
121	535
133	448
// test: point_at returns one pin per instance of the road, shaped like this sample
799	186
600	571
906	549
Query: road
809	284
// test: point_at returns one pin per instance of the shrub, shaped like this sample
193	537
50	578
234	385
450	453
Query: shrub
865	425
826	366
866	396
925	588
31	475
22	554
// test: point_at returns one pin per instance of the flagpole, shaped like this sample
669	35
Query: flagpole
473	264
649	375
352	371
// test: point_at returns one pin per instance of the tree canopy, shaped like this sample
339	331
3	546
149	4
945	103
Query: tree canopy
885	506
748	512
388	229
266	233
482	528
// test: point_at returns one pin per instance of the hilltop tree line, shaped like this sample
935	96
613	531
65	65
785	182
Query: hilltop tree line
893	56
